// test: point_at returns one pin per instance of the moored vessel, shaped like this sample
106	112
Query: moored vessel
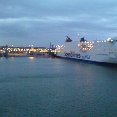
100	51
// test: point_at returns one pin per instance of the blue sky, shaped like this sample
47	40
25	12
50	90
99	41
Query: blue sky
39	22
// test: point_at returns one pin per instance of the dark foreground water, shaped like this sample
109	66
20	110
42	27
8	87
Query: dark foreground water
45	87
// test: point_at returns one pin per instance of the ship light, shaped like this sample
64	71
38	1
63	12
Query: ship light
78	45
109	39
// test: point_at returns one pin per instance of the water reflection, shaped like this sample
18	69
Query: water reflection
31	58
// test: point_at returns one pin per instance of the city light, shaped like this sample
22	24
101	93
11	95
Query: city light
26	51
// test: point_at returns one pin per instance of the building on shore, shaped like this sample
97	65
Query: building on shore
8	51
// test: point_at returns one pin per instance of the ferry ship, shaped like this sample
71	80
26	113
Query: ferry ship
99	51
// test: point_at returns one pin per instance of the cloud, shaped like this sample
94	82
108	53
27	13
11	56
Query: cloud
31	19
41	21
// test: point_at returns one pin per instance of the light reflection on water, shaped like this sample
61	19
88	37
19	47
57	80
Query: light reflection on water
50	87
31	58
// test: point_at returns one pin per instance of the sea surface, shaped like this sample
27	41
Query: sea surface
52	87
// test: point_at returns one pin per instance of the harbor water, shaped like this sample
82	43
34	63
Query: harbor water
52	87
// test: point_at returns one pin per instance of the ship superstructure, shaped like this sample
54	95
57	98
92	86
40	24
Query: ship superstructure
98	51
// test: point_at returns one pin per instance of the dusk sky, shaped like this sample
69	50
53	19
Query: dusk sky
39	22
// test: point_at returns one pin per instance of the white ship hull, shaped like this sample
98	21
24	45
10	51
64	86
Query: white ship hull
97	51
